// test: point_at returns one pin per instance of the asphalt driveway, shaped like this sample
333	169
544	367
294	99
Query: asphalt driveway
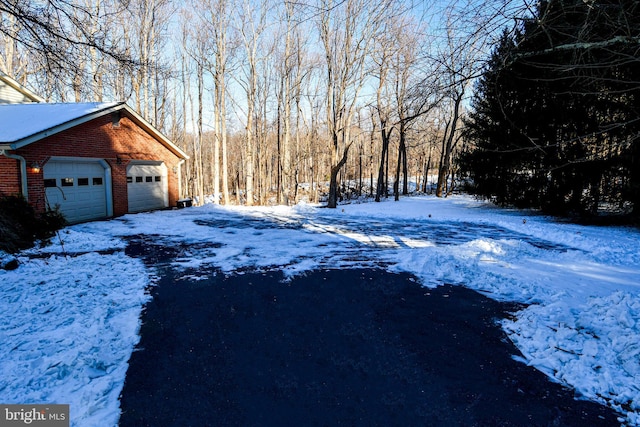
358	347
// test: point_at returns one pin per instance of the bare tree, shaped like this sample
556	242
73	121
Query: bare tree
347	31
384	52
148	39
293	72
284	108
59	36
12	61
251	25
194	52
458	64
404	94
215	17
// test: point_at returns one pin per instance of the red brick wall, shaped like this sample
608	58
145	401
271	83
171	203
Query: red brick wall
100	139
9	177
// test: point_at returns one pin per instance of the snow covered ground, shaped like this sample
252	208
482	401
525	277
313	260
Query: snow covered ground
68	323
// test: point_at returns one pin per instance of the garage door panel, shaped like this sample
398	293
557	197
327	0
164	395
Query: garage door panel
147	187
72	186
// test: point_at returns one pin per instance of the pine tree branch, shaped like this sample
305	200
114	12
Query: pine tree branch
631	41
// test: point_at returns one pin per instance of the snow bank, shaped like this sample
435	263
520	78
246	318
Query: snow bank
594	348
68	325
67	329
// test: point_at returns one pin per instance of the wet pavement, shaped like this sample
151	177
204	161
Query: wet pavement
356	347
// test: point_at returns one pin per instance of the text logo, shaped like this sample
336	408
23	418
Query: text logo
34	415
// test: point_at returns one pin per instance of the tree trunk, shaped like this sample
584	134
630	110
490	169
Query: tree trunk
199	178
381	186
332	201
396	182
223	132
448	146
405	167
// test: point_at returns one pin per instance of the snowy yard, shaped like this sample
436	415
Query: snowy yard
69	315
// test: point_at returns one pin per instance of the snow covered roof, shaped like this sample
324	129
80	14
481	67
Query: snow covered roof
21	121
23	124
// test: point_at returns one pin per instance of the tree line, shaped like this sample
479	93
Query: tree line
273	101
281	101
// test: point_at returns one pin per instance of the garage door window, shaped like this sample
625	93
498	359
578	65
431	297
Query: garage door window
97	181
49	183
141	179
66	182
83	182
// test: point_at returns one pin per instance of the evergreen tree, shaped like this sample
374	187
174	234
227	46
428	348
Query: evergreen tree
555	122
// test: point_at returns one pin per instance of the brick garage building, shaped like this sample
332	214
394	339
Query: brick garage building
93	160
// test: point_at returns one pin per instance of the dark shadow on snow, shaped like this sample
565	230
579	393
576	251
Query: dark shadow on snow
441	233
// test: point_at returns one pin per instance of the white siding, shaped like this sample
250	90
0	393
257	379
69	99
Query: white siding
12	92
9	95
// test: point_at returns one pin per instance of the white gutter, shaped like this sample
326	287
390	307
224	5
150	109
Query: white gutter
23	172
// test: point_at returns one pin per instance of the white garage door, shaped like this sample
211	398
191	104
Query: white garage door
78	187
147	187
